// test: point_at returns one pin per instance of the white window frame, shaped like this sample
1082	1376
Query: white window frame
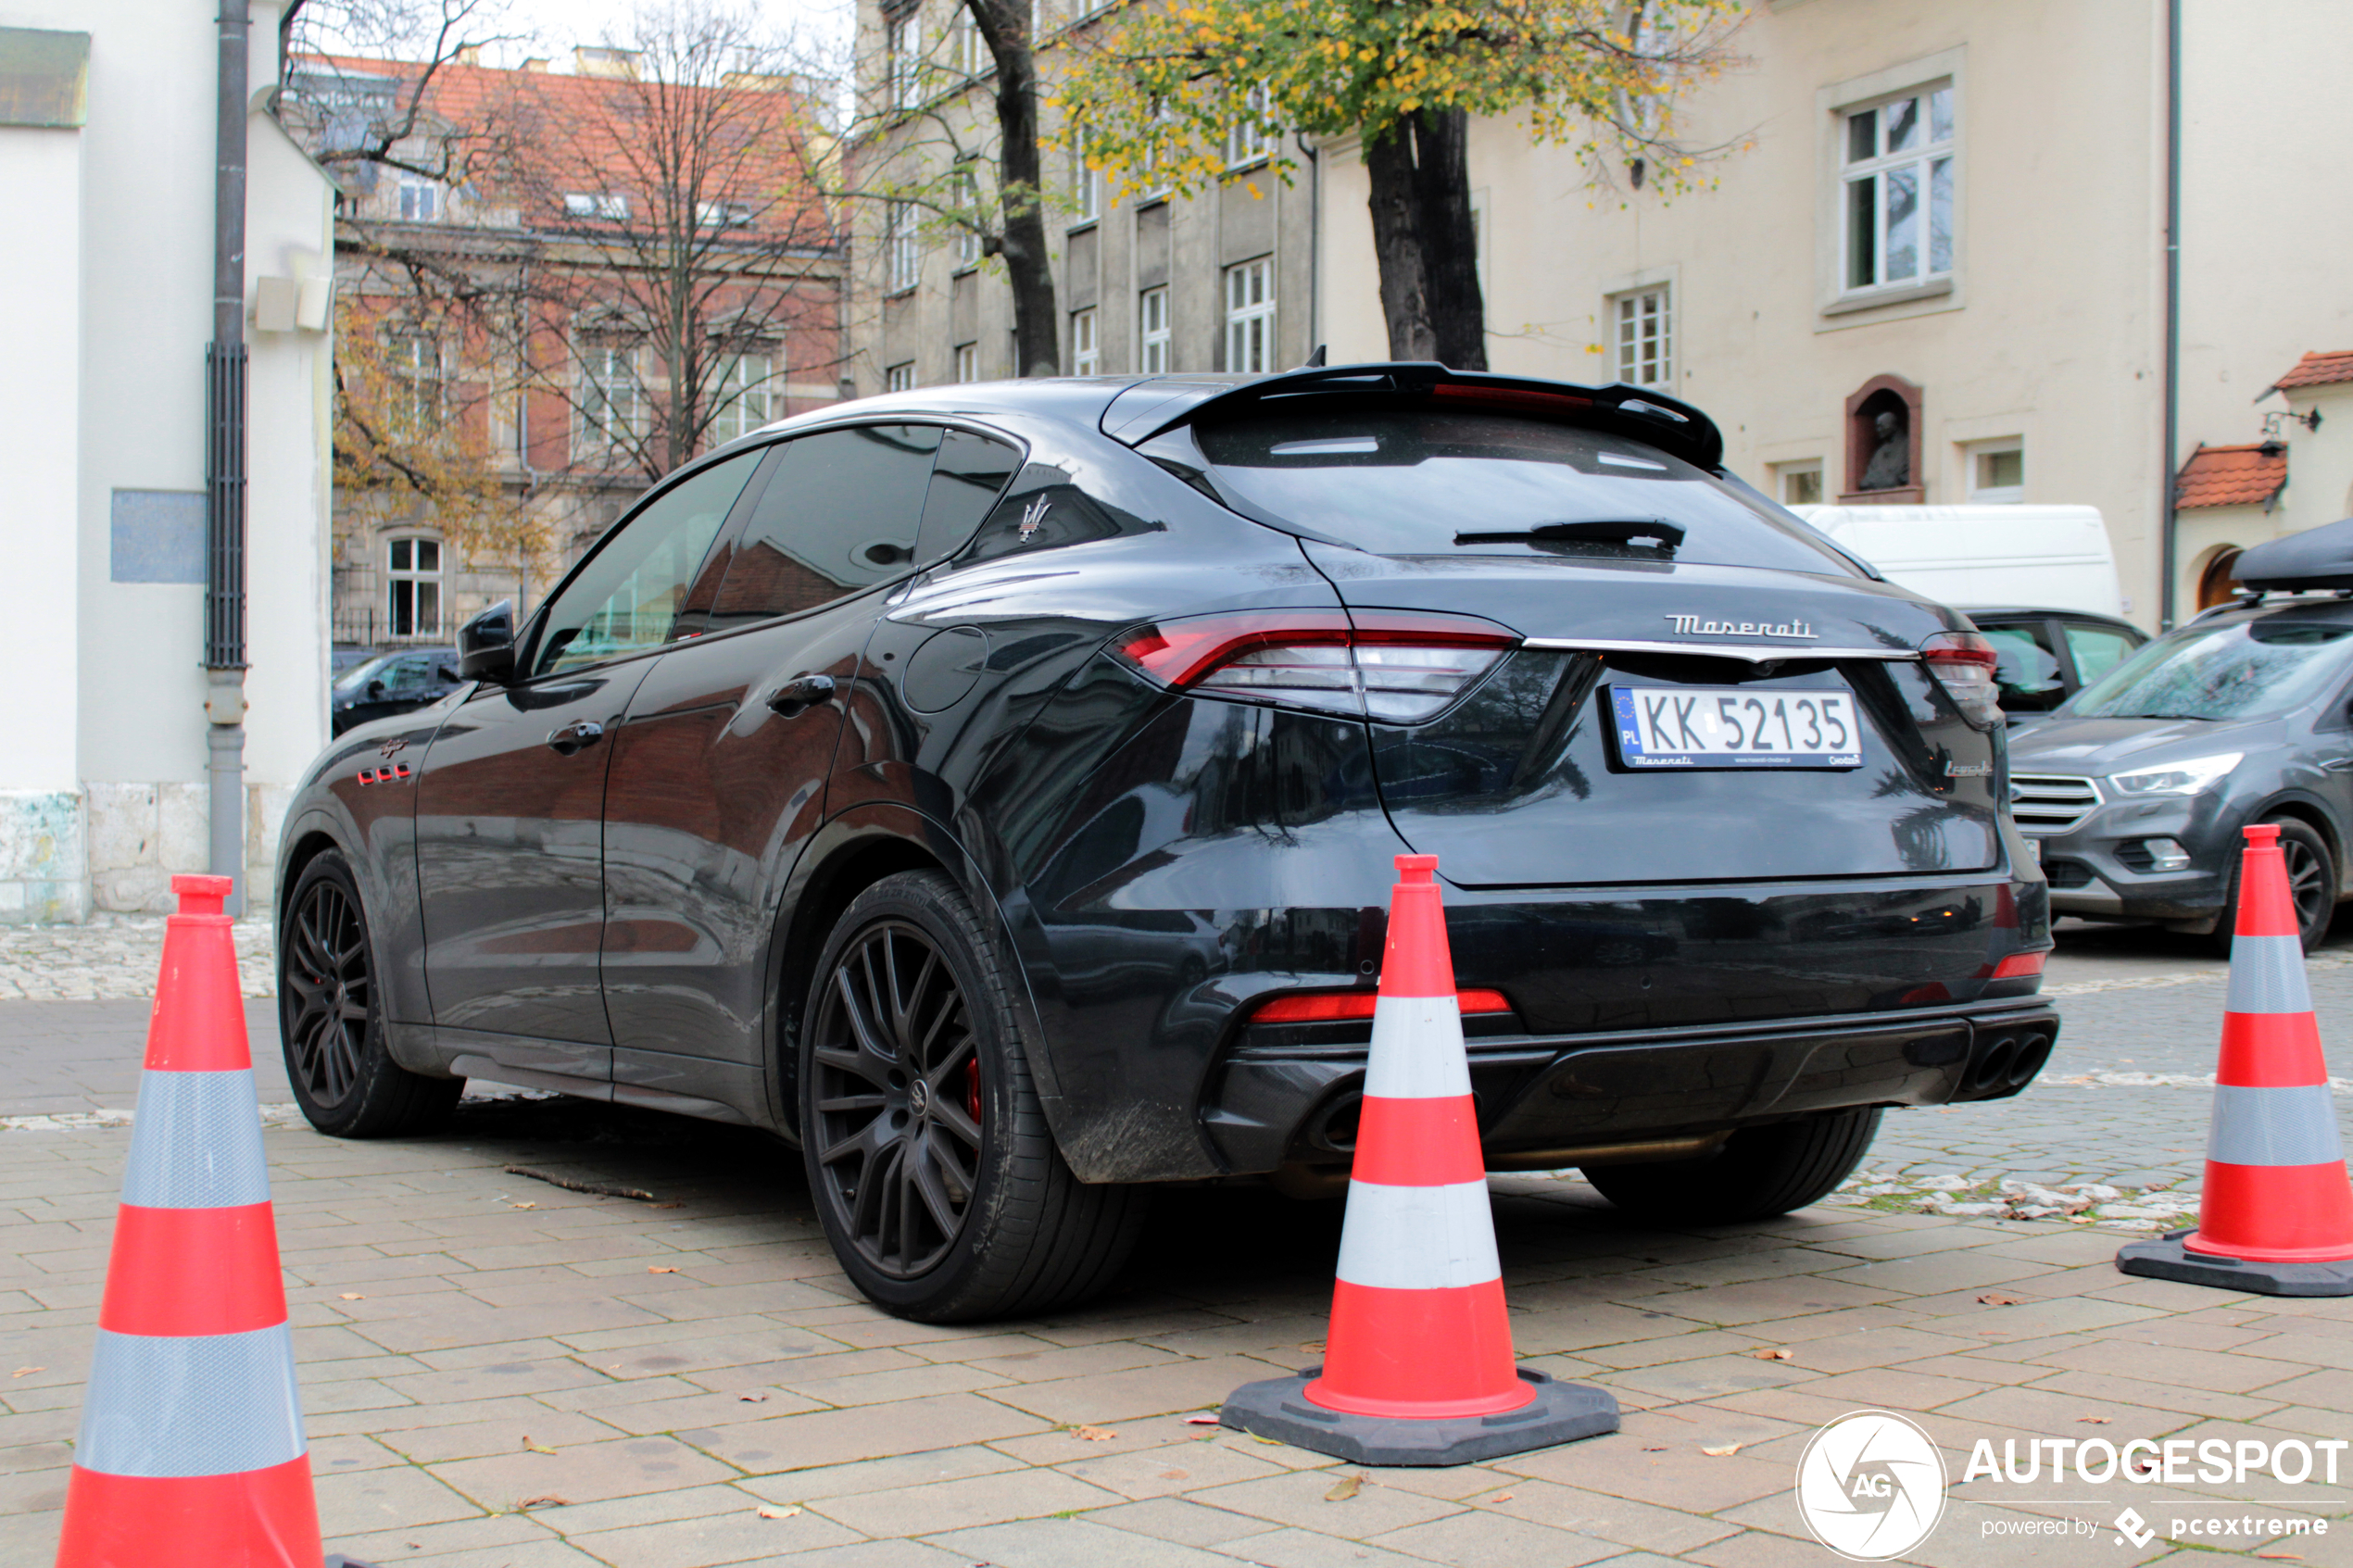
900	378
1249	317
1928	162
1641	335
1152	332
419	375
747	393
1973	458
967	50
968	362
610	206
1085	342
723	215
964	194
1247	144
612	396
1085	186
904	57
1785	476
419	200
903	253
424	587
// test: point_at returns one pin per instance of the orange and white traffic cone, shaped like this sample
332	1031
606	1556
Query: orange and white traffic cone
1420	1368
191	1448
2276	1217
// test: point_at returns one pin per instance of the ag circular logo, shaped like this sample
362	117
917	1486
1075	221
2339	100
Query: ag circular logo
1870	1485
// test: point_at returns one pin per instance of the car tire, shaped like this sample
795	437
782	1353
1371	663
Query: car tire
330	1021
1760	1172
935	1214
2312	877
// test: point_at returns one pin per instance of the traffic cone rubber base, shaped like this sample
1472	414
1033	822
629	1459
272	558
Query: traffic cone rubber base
1560	1412
2166	1258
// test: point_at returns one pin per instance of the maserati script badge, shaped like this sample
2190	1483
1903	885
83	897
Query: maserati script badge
1694	626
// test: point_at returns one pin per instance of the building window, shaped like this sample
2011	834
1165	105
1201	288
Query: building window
1085	186
744	398
902	55
967	362
965	193
1084	358
419	201
723	215
1899	191
412	580
1247	138
900	378
1249	317
1996	471
609	206
1800	484
414	391
612	399
1643	346
903	258
966	48
1151	330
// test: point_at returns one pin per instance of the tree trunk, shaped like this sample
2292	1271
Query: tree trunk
1424	243
1004	27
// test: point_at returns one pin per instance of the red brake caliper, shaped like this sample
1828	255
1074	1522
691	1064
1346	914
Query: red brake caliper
972	1089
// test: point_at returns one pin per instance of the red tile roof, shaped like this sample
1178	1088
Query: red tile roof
2231	476
2318	370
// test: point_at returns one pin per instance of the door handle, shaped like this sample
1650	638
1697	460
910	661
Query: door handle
578	734
801	691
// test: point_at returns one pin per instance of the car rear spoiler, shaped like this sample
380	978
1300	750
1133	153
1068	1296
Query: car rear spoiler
1150	407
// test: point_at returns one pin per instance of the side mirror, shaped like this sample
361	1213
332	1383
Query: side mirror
375	690
486	645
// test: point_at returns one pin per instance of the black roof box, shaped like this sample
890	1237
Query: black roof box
2318	558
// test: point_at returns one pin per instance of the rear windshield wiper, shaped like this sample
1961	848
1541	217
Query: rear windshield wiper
1654	534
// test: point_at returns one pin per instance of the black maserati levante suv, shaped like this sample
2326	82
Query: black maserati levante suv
994	789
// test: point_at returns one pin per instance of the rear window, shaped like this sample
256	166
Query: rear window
1442	483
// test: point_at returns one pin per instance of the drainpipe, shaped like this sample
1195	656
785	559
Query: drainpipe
2167	544
224	598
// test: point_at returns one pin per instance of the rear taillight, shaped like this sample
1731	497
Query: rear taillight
1963	663
2018	966
1398	667
1331	1006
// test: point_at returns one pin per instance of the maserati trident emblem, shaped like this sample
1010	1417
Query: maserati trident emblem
1694	626
395	744
1032	516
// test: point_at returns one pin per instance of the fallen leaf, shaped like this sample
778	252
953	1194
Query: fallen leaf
1176	1474
1093	1433
670	1205
753	1399
522	1206
2095	1420
658	1269
548	1500
536	1447
1500	1497
353	1295
1660	1450
27	1371
1990	1299
1775	1354
770	1511
1270	1442
1313	1346
1200	1420
1349	1486
1727	1452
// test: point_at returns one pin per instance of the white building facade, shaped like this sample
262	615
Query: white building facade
106	147
1954	214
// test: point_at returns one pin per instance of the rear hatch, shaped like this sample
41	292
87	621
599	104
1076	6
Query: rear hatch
1699	689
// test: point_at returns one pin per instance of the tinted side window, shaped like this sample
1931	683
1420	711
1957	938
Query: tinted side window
631	590
969	473
2097	650
841	513
2027	671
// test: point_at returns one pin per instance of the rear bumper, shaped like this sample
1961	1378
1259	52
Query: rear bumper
1283	1101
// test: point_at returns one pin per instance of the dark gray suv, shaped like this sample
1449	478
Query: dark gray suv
2136	788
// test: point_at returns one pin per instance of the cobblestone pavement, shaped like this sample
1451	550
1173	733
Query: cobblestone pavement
113	958
501	1372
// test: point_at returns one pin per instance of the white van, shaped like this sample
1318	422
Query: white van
2051	557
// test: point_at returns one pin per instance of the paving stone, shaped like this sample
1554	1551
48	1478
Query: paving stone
826	1438
1073	1543
1178	1520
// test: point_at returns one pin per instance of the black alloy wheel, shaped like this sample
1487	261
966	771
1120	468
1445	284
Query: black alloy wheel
936	1176
2311	883
899	1116
330	1018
